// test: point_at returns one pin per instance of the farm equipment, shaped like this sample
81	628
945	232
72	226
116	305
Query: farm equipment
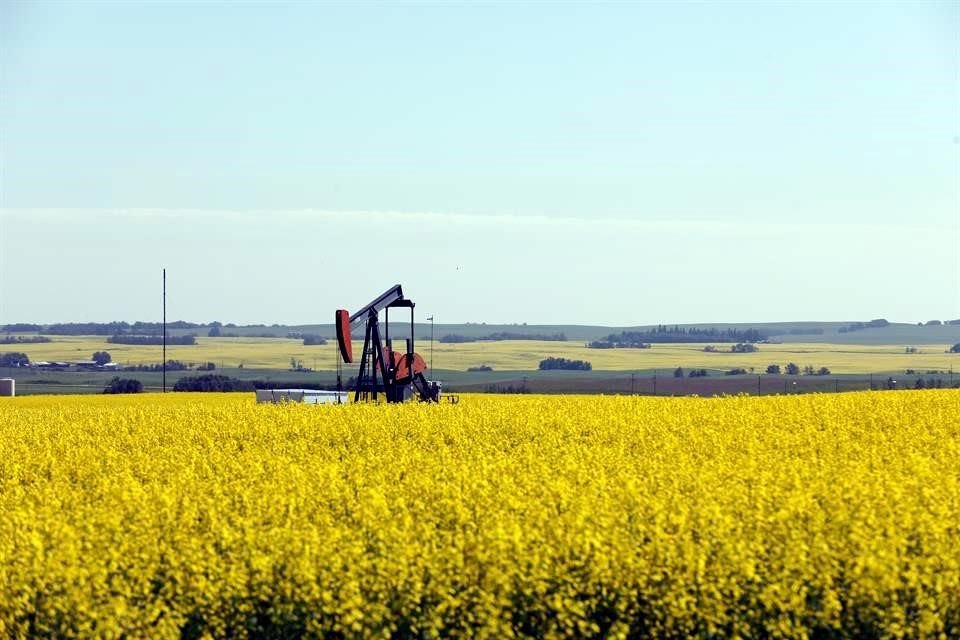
397	375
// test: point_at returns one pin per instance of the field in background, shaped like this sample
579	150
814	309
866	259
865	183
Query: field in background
826	332
515	355
187	516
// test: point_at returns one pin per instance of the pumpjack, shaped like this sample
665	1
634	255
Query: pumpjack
397	375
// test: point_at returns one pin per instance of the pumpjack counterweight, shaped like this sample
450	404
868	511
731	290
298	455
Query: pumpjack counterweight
396	375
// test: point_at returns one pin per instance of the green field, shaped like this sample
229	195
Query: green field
514	355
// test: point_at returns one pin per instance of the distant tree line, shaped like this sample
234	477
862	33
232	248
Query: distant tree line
20	327
114	328
188	339
217	331
805	332
676	333
740	347
23	339
607	344
857	326
172	365
563	363
793	369
933	383
135	328
482	368
454	338
922	383
507	388
87	328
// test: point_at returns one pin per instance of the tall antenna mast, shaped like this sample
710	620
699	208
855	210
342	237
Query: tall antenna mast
164	330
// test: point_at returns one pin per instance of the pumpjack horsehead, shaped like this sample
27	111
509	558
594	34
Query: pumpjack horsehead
395	374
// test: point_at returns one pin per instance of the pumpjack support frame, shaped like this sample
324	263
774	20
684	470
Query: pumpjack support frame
382	370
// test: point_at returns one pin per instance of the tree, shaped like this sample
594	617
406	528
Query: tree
212	382
124	385
808	370
101	357
564	363
774	369
792	369
214	330
823	371
955	348
678	372
14	359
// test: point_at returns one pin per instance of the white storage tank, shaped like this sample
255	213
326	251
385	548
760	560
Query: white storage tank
7	388
306	396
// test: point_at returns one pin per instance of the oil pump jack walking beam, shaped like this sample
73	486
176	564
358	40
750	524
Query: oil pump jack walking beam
383	370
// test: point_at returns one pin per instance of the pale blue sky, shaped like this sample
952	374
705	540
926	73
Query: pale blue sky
591	163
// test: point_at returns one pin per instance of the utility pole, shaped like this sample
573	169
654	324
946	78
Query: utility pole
164	330
632	386
431	342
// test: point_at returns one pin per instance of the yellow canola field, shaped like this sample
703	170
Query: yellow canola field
196	515
508	355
